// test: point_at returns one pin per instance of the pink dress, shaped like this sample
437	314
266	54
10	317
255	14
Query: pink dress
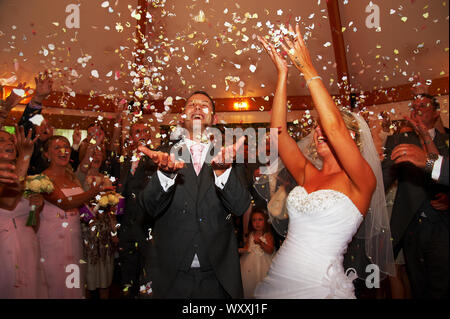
21	273
61	248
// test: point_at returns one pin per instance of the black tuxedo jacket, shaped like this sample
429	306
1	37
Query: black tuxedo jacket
134	222
443	176
194	216
415	187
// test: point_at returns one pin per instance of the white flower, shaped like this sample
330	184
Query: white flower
35	186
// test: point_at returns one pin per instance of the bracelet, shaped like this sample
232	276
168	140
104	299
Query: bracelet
313	78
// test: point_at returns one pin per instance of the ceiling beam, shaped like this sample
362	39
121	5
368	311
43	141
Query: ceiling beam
339	49
404	92
439	86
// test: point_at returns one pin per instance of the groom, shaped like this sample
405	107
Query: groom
194	251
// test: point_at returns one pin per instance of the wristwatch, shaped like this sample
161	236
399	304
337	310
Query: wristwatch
431	158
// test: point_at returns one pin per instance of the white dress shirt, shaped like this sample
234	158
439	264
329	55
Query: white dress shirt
436	172
438	163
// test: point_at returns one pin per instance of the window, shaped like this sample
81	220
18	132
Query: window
68	133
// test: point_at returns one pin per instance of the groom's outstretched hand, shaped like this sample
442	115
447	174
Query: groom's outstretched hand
165	162
222	161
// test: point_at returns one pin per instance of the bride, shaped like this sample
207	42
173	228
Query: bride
328	205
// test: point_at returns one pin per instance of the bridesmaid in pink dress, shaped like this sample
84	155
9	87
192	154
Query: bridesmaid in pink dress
21	274
59	231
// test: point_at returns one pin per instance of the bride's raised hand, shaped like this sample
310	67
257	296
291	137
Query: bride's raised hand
277	59
298	52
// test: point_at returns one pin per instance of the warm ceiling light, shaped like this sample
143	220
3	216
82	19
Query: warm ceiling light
243	105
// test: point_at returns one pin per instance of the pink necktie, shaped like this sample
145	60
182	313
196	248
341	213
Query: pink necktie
196	151
135	164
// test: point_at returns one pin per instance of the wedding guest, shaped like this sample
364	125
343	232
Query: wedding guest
419	219
257	252
11	101
99	234
22	274
135	172
59	231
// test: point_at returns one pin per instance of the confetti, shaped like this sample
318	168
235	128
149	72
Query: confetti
168	101
200	17
37	119
19	92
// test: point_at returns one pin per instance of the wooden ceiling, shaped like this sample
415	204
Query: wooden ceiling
185	51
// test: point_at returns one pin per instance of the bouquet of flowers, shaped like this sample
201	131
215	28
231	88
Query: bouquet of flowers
36	184
103	200
110	198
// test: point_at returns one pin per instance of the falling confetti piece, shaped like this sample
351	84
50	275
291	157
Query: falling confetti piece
252	68
37	119
19	92
94	73
168	101
404	19
200	17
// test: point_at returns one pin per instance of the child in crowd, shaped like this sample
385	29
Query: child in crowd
257	252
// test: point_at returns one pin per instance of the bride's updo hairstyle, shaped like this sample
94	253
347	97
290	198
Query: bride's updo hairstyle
352	126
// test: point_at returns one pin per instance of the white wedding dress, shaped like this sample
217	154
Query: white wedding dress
309	263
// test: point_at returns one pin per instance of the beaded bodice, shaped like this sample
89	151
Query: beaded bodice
325	218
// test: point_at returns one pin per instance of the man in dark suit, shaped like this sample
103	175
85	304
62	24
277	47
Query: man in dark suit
419	222
437	167
195	252
134	173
